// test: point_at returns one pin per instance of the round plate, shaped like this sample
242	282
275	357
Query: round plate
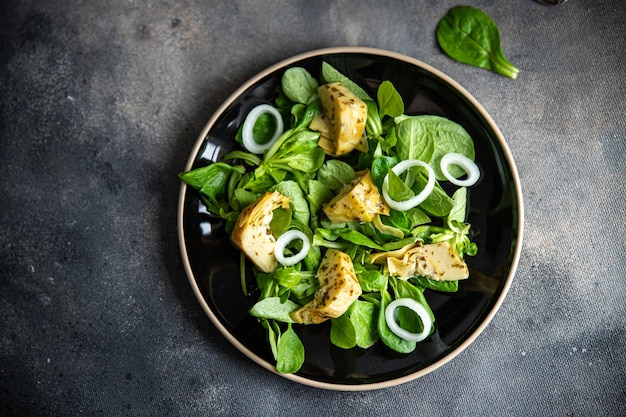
495	213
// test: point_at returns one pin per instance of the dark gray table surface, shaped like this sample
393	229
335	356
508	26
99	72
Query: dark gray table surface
100	104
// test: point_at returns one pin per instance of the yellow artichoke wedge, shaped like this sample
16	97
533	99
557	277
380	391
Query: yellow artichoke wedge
436	261
342	122
358	201
252	233
339	288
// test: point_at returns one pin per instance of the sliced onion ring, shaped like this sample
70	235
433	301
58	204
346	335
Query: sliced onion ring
469	166
247	135
284	240
418	309
413	201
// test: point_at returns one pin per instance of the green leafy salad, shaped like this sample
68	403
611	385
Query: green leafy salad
334	199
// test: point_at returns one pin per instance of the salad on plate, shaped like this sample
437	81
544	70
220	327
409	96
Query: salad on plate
346	210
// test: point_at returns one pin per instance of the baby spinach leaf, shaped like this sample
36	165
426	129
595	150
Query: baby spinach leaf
370	280
457	213
328	239
289	352
247	157
448	137
215	175
255	184
304	290
389	100
211	181
358	238
397	244
242	198
288	276
299	85
335	174
342	332
331	75
398	189
470	36
414	140
390	140
443	286
304	119
373	124
298	151
417	217
386	335
273	308
306	157
363	319
380	167
318	194
283	103
430	137
438	203
281	219
406	289
297	199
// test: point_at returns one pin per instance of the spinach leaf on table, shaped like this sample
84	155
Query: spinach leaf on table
470	36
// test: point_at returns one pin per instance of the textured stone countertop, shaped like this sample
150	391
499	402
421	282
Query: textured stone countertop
100	105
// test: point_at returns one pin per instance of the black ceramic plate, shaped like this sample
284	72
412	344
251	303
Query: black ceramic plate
212	263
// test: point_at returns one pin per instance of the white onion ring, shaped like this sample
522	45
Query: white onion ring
285	239
413	201
247	136
469	166
418	309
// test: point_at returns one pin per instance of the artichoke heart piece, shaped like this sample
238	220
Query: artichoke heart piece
342	122
339	288
358	201
252	233
436	261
